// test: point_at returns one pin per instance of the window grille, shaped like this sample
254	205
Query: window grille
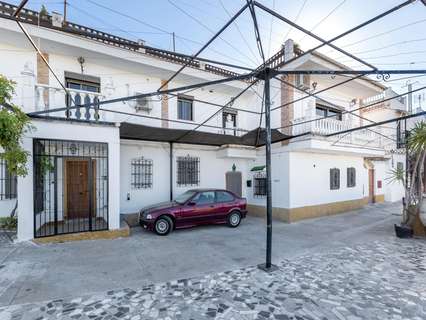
259	186
334	179
400	135
185	109
188	171
351	177
141	173
8	182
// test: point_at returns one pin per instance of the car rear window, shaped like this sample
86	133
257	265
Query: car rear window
223	196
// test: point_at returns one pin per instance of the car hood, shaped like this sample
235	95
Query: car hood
160	206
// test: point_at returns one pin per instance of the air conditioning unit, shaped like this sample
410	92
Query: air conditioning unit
302	81
141	104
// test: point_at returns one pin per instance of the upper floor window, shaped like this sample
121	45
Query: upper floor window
325	111
141	173
185	108
8	182
229	121
81	82
188	171
334	179
400	134
351	177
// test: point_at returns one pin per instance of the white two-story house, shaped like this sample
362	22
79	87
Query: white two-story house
90	165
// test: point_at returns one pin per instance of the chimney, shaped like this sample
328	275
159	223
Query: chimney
288	49
57	19
141	44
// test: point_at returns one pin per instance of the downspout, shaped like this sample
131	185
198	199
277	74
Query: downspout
171	171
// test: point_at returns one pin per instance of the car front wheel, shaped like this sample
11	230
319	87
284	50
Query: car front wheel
163	225
234	219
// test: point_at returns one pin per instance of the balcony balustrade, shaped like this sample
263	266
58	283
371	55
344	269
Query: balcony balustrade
48	98
322	127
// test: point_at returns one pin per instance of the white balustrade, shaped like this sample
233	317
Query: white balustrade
48	98
322	127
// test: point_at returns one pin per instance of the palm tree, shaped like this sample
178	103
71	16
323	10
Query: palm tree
414	183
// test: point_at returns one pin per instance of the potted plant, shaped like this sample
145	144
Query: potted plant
414	208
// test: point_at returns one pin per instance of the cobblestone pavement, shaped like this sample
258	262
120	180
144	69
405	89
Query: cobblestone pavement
381	280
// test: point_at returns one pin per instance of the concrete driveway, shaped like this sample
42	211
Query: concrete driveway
31	272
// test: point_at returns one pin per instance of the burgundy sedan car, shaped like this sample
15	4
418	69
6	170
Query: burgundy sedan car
194	207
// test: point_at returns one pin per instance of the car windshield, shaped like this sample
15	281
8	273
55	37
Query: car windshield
185	197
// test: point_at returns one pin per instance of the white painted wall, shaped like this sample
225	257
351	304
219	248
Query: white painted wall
212	172
68	131
310	179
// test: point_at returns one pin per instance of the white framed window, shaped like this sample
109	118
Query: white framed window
185	108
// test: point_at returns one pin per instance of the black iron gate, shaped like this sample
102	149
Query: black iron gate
70	187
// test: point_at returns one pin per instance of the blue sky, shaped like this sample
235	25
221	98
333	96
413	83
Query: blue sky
394	42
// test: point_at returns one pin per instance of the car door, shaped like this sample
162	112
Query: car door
204	207
224	204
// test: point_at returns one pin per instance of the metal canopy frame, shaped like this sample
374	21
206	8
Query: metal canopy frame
265	74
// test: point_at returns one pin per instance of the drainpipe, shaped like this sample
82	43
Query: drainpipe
171	171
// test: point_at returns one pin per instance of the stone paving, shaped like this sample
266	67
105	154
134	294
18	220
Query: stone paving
381	280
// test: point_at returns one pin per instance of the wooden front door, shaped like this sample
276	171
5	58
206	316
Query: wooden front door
234	182
371	185
77	180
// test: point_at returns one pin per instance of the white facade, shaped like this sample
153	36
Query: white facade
300	169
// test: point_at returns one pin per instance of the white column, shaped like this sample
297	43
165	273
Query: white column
113	181
27	88
25	194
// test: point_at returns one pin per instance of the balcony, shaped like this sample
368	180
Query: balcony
369	138
398	103
49	97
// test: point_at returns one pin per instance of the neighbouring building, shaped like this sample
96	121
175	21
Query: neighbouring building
89	165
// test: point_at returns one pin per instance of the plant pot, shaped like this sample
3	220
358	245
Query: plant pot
403	232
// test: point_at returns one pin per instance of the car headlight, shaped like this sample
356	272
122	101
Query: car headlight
148	216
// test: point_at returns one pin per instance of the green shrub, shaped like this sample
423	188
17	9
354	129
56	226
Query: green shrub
9	223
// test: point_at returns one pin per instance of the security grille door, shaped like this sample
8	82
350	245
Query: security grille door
70	187
234	182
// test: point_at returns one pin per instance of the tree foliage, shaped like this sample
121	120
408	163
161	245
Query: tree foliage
13	125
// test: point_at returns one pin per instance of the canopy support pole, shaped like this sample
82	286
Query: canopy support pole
268	266
171	171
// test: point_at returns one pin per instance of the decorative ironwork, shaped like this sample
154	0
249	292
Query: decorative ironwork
334	179
259	184
350	177
70	187
383	76
188	171
141	173
8	182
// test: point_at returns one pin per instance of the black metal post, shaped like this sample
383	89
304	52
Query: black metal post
171	171
268	266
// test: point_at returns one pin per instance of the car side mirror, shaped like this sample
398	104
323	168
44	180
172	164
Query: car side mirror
191	203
